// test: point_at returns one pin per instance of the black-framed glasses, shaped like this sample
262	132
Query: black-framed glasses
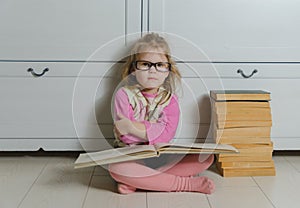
146	65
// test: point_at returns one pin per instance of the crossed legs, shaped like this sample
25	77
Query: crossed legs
170	177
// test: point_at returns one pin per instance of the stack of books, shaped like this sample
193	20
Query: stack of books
243	119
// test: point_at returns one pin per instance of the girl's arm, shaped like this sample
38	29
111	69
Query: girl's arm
131	131
135	132
124	126
165	128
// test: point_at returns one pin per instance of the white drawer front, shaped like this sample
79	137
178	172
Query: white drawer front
240	70
284	104
59	69
36	107
42	107
282	80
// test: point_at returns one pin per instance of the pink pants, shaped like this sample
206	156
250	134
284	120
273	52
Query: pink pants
170	177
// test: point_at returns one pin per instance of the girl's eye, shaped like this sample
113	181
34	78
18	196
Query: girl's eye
146	64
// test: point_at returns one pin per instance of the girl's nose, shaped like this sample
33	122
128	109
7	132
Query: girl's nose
152	69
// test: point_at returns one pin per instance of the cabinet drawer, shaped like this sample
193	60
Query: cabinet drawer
284	102
58	69
29	105
45	107
240	70
199	79
282	80
284	105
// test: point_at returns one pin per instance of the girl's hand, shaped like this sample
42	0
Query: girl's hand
123	125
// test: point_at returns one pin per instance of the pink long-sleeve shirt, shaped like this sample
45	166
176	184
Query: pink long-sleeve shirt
161	131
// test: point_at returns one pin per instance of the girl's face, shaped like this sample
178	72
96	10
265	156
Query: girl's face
151	79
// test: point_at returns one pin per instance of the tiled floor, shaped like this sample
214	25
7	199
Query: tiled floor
44	182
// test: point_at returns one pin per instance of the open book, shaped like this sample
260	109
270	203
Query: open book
136	152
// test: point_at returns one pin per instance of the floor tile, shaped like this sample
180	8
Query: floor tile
101	171
220	181
294	161
236	197
282	189
103	193
177	200
46	182
59	185
17	175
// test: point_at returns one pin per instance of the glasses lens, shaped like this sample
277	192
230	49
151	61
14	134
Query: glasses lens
143	65
163	66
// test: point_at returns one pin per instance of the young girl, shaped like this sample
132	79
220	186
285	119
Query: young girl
147	112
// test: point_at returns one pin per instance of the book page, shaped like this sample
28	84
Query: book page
195	148
116	153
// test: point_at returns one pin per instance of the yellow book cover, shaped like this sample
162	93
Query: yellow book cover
245	157
238	106
242	116
242	132
253	95
246	164
253	148
245	123
268	171
241	140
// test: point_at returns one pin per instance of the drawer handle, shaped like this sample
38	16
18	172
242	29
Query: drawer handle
247	76
36	74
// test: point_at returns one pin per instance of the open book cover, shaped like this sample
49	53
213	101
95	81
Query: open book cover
136	152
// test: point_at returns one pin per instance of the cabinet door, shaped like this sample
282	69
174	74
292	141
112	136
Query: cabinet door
281	80
65	30
230	30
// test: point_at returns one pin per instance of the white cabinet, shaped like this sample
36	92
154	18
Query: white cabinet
80	44
229	30
67	30
65	42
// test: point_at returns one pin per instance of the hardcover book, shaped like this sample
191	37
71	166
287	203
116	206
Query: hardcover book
225	95
136	152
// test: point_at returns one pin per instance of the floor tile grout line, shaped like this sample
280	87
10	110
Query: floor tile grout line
291	164
209	203
147	205
28	191
260	188
87	191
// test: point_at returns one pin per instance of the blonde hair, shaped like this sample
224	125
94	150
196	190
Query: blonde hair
149	42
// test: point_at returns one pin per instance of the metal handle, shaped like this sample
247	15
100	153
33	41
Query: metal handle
31	70
247	76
